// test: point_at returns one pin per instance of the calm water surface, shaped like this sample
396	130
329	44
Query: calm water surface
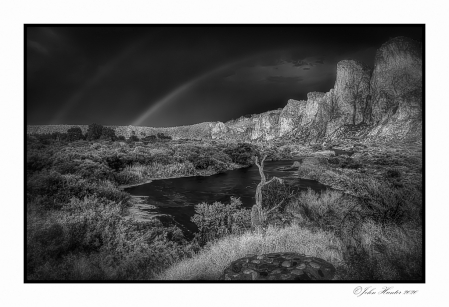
178	196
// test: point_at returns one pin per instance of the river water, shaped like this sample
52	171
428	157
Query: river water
178	196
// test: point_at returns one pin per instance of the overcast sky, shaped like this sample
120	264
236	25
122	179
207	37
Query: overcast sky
170	76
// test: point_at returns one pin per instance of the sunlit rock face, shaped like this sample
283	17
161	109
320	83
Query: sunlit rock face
256	127
266	126
290	116
315	117
351	89
218	129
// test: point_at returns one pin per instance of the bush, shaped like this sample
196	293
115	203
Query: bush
115	163
108	133
75	134
277	194
217	220
325	210
94	132
386	252
38	160
242	154
393	173
94	170
90	239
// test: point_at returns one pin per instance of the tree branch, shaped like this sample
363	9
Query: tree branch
274	178
275	207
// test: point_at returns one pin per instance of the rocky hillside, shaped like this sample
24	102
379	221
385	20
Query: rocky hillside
384	103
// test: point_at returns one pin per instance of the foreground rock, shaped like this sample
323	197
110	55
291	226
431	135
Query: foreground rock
279	266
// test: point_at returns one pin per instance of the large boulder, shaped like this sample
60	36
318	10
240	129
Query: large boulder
279	266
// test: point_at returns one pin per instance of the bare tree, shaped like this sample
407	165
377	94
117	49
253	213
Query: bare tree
258	213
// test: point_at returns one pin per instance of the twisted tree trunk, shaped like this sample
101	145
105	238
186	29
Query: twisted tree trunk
258	215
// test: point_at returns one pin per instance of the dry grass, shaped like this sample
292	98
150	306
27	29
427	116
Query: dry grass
210	263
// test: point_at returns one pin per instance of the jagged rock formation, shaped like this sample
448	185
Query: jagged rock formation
396	90
383	104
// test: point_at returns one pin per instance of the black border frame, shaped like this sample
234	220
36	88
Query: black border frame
423	27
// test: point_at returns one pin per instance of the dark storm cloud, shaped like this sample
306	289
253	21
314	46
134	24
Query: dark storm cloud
36	47
280	79
183	74
300	63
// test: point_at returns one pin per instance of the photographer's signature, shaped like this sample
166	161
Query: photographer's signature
367	291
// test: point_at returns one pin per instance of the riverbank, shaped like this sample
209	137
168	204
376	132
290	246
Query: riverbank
202	174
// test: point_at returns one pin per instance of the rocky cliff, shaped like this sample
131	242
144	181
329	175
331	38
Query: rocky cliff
382	103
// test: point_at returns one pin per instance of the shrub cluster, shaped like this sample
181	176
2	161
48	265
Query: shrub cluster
217	220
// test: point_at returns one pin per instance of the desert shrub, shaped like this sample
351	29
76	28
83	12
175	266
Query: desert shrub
217	220
316	147
115	163
94	170
334	160
221	156
45	242
393	173
108	133
80	143
241	154
90	239
75	134
162	158
310	168
133	138
325	210
275	197
205	162
211	261
47	184
344	161
94	132
386	252
38	160
163	136
66	166
107	190
149	138
387	204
